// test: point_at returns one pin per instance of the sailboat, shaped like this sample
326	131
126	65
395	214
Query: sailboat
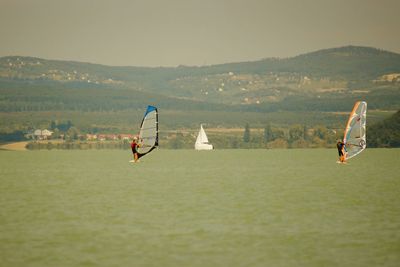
202	141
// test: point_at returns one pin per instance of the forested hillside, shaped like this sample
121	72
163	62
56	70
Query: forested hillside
326	80
314	89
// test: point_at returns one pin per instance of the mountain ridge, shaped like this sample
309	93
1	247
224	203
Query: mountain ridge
341	62
348	48
324	80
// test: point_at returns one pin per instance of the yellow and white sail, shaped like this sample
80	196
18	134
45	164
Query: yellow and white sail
355	139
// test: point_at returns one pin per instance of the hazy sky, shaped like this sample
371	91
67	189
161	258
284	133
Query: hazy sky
192	32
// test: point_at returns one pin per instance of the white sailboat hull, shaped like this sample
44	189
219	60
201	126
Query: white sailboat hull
203	147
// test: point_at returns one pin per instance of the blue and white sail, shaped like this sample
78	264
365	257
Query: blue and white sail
148	135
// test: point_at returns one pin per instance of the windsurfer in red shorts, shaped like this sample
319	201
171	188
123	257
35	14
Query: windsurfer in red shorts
134	147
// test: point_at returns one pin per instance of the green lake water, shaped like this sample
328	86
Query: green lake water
208	208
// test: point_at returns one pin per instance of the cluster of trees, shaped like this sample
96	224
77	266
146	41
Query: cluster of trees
385	133
14	136
296	136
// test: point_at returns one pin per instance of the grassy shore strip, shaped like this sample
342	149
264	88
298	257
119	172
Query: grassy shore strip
17	146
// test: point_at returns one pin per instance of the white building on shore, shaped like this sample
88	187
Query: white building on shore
39	134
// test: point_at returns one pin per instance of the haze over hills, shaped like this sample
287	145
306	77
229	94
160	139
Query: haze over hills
326	80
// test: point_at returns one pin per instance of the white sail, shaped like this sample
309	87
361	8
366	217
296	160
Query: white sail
202	141
201	137
148	135
355	134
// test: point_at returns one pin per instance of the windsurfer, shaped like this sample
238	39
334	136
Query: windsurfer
341	148
134	146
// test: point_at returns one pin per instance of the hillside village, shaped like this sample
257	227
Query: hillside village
231	88
34	69
227	88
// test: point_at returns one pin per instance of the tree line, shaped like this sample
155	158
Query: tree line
382	134
295	136
385	133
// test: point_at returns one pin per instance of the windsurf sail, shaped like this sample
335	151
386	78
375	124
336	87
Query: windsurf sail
148	135
355	134
202	141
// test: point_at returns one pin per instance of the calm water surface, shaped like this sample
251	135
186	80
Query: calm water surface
188	208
